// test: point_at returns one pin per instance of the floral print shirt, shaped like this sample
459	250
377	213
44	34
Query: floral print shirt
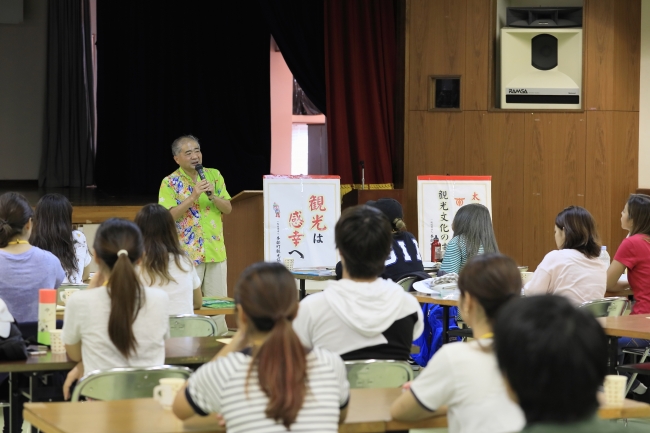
200	230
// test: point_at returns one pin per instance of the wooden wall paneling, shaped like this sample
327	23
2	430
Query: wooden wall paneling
494	146
554	176
612	44
612	169
474	83
436	44
436	146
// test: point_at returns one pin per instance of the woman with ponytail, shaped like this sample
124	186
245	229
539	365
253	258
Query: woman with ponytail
465	377
265	380
116	322
24	268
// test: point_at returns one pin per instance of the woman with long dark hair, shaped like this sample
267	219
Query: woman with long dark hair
464	377
634	253
164	264
120	323
24	268
574	270
265	380
53	232
473	235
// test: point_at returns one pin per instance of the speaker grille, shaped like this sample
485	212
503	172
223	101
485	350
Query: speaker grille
544	52
543	99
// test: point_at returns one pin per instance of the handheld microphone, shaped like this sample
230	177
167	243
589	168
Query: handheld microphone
199	170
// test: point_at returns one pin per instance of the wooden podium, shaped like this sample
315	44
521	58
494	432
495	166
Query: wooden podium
361	196
243	231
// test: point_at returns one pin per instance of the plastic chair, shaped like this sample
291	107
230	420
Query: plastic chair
378	373
607	307
191	325
125	383
407	282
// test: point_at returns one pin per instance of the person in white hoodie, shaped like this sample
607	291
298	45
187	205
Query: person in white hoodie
361	316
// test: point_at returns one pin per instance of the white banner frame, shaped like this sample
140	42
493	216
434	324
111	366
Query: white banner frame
439	197
308	205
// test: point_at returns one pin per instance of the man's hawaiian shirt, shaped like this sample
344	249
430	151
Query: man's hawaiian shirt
200	230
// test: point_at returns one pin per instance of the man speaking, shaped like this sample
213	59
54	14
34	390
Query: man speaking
196	198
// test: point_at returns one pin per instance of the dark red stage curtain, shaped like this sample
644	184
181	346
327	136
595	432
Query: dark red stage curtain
360	62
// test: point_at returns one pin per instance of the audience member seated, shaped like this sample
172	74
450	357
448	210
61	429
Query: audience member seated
574	270
634	255
53	232
361	316
554	358
265	380
473	234
164	264
24	268
464	377
118	323
405	259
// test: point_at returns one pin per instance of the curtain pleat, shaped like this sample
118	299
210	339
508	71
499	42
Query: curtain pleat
68	150
360	65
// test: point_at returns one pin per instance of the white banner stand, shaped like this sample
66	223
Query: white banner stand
439	197
300	213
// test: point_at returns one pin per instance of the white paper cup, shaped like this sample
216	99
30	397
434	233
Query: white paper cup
288	263
165	393
614	387
56	341
65	295
526	277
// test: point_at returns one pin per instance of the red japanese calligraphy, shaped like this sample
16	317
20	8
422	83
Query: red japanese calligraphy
295	219
459	201
296	237
317	202
475	197
316	223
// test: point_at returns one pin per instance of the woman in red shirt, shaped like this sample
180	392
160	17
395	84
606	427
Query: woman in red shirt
634	254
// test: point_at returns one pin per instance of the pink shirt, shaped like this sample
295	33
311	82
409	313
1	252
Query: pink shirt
634	253
570	274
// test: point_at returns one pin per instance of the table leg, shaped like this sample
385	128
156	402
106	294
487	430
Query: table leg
445	324
612	349
11	403
303	291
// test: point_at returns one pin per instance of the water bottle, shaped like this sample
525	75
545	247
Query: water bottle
435	250
604	256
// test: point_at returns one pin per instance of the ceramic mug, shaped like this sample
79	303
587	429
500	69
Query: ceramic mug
165	393
65	294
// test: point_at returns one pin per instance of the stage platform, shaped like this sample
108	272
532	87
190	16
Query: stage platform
89	205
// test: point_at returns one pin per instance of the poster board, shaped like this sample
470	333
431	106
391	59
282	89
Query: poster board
439	197
300	213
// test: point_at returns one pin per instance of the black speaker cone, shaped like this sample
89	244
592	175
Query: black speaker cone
544	52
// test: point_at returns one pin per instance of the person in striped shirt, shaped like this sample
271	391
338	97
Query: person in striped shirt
473	234
265	380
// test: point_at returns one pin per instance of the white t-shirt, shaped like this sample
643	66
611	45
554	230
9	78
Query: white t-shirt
86	320
180	291
570	274
82	254
467	380
219	387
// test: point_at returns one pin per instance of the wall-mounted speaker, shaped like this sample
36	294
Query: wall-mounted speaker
544	17
541	69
